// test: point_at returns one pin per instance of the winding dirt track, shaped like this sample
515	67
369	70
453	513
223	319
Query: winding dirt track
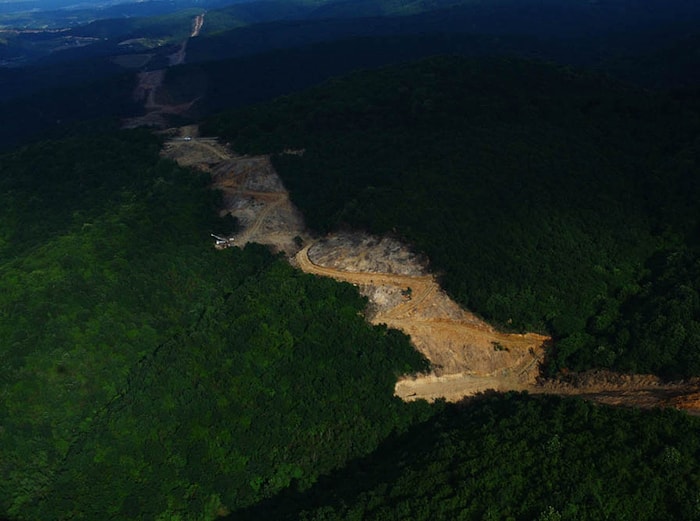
518	371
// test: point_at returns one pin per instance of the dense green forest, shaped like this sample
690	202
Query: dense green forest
94	106
516	457
145	374
278	381
539	193
247	65
242	81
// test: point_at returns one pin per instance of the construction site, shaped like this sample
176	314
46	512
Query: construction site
468	356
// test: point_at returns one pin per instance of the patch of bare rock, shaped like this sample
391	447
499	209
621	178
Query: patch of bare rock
361	252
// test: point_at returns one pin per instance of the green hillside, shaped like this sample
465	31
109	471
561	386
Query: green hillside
538	193
145	374
516	457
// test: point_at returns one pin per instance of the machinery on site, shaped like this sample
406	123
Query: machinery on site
222	242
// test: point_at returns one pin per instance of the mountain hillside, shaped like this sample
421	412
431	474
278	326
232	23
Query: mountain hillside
539	193
513	183
515	457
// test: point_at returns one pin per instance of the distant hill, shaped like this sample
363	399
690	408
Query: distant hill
241	81
589	25
282	47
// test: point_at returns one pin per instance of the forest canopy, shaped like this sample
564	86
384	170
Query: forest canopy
515	457
146	374
539	193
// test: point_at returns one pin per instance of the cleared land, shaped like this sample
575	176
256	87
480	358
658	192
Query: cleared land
468	355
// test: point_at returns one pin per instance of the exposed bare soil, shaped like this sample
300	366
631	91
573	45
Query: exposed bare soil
468	355
454	340
363	253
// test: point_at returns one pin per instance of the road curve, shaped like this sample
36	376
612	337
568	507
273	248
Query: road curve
390	279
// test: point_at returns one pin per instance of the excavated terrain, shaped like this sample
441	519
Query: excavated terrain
468	356
252	191
363	253
454	340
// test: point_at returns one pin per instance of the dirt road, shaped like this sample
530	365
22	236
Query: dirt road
362	278
273	202
197	25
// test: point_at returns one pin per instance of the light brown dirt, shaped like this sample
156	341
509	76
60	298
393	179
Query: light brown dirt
468	355
638	390
252	191
455	341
